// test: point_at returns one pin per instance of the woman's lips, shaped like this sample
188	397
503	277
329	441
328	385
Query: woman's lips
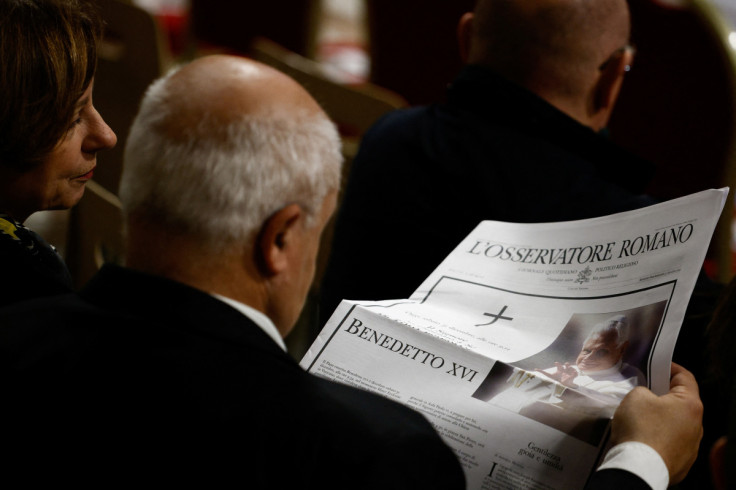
86	176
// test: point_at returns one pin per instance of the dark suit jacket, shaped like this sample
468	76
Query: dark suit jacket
144	379
425	177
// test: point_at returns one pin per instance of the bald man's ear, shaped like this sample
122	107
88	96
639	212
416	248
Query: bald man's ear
609	85
465	35
718	463
279	235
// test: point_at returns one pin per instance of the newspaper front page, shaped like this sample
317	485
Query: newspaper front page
519	347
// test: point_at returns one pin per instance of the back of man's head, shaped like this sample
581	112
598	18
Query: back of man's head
221	144
555	48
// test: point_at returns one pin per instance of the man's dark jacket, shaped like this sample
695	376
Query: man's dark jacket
425	177
144	379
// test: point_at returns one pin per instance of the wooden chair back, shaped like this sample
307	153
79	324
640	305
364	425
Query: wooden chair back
131	55
95	233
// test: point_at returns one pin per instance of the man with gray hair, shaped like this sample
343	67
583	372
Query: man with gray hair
174	367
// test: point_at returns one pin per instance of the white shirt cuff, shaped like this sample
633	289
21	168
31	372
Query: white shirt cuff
639	459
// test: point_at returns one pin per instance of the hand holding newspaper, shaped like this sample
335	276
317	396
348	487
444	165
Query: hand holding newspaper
521	344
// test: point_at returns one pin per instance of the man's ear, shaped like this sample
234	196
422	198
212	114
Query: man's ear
718	463
277	238
609	85
465	35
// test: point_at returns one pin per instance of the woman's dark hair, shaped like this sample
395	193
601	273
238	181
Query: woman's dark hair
48	55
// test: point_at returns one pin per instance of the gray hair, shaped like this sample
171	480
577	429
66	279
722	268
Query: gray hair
221	181
618	324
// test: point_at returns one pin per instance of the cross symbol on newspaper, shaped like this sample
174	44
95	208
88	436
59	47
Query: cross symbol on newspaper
495	317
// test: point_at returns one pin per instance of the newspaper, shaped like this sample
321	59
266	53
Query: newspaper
521	344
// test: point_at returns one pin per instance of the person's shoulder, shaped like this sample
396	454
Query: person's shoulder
395	146
361	408
347	411
397	124
400	117
382	431
51	333
48	311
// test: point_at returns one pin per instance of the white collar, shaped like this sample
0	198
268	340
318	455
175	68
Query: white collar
257	317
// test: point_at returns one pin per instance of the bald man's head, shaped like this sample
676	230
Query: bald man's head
554	48
223	89
222	143
563	38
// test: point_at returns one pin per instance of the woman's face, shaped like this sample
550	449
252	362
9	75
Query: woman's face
58	182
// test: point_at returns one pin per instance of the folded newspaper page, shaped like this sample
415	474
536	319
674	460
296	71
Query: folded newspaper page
521	344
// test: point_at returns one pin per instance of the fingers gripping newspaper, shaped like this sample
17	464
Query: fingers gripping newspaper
521	344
